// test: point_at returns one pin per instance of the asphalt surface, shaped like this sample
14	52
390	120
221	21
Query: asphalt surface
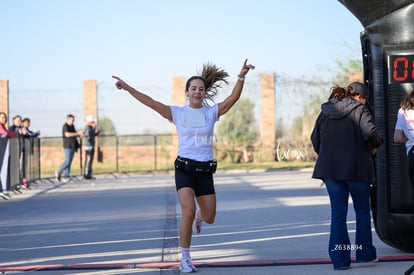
268	222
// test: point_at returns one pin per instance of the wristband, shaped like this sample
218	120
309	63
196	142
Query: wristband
241	78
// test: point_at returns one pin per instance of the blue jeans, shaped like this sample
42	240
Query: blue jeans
65	167
339	244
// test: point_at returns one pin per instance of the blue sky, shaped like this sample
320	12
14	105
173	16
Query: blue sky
54	45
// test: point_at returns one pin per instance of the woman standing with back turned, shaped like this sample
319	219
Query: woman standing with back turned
344	137
195	165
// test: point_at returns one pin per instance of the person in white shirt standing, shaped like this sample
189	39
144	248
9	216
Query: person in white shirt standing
404	130
195	164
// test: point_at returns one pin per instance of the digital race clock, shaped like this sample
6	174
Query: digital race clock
400	66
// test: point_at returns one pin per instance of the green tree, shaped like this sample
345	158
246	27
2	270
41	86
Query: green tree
297	128
280	129
237	130
106	127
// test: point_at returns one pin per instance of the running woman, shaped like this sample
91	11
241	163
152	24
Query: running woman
195	165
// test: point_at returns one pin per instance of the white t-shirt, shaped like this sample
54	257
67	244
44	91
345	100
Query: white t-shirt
195	130
405	123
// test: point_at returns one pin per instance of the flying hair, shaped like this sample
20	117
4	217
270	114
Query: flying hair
212	76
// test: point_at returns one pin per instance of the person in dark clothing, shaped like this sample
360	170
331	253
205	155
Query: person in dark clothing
21	132
17	125
90	133
26	125
70	146
358	92
344	137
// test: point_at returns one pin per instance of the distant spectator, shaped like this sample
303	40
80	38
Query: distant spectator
27	141
17	125
70	147
18	128
26	126
90	133
4	132
4	155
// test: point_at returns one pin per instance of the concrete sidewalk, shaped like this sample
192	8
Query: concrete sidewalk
267	223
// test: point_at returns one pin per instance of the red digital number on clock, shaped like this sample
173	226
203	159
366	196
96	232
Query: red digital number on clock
402	68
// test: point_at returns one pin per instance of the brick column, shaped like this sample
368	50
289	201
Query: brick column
90	108
4	96
268	134
178	91
90	102
178	99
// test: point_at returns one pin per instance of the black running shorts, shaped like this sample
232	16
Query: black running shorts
201	183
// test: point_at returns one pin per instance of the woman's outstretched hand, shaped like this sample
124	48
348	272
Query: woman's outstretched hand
120	84
245	69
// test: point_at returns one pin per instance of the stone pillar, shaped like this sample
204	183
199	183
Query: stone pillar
4	97
90	102
90	108
268	130
178	91
178	99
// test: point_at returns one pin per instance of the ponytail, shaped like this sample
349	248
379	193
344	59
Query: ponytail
211	75
338	92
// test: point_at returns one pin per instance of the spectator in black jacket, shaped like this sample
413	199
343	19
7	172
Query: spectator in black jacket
344	137
70	147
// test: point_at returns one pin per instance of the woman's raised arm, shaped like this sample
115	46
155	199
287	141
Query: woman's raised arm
226	104
157	106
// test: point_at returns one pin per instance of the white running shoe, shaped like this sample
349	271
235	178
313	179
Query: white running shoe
197	223
4	195
65	180
186	265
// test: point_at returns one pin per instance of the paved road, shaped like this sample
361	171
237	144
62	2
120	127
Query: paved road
267	223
